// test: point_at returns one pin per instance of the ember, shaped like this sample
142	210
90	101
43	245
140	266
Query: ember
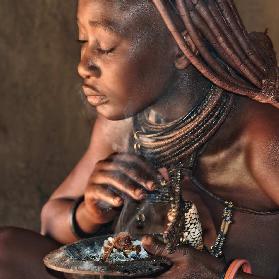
123	245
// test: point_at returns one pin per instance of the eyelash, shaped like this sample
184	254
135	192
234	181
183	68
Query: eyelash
99	50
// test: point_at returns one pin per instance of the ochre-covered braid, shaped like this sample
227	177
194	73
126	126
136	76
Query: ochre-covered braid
199	42
242	36
233	60
228	31
228	57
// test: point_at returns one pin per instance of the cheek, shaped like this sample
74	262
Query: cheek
147	73
125	77
122	82
136	80
153	73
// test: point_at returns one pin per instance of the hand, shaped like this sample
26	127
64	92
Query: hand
120	175
188	263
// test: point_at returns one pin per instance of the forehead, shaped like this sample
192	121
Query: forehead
134	19
113	14
97	9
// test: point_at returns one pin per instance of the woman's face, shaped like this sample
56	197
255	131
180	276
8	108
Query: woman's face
127	55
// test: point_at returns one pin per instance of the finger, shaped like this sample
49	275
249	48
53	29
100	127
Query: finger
100	214
121	182
131	169
158	248
139	174
103	197
133	158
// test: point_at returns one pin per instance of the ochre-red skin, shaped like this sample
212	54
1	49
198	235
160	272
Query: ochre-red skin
240	163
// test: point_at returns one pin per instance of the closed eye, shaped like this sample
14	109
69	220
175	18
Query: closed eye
105	51
98	49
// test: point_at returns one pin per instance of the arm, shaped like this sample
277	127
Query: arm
107	137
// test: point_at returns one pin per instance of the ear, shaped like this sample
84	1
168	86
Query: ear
181	61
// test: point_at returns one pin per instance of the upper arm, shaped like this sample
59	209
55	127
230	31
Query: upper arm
107	137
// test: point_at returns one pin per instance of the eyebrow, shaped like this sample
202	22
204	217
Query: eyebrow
107	25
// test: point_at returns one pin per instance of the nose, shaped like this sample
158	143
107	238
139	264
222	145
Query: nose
87	67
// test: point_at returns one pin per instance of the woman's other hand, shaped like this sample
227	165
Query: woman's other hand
187	262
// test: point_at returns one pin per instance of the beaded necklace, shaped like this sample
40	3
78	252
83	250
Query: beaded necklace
167	144
174	146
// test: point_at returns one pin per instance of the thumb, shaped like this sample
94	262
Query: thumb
154	246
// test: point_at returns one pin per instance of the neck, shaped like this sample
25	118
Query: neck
186	90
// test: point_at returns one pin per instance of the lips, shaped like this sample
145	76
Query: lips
94	97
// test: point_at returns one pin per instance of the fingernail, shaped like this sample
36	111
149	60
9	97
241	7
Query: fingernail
118	200
150	185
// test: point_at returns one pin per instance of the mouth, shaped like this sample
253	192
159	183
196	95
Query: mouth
93	95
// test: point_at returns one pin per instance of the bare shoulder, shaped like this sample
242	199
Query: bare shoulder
262	134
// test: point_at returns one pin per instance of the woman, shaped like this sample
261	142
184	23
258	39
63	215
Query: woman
157	73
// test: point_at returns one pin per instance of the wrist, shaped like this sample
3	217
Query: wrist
85	220
80	226
82	223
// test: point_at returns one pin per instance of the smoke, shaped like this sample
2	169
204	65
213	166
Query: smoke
144	217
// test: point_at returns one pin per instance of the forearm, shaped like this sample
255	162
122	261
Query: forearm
55	220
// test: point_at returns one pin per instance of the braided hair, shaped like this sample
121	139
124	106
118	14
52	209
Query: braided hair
229	55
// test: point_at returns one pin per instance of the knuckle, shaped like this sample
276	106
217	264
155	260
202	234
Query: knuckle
100	177
112	176
89	198
134	170
101	165
93	193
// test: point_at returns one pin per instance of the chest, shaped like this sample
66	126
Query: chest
227	173
250	236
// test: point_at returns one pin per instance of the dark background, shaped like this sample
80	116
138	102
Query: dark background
44	127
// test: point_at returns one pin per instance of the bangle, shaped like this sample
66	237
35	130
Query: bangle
76	229
235	266
223	274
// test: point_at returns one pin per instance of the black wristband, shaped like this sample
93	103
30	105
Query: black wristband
76	229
